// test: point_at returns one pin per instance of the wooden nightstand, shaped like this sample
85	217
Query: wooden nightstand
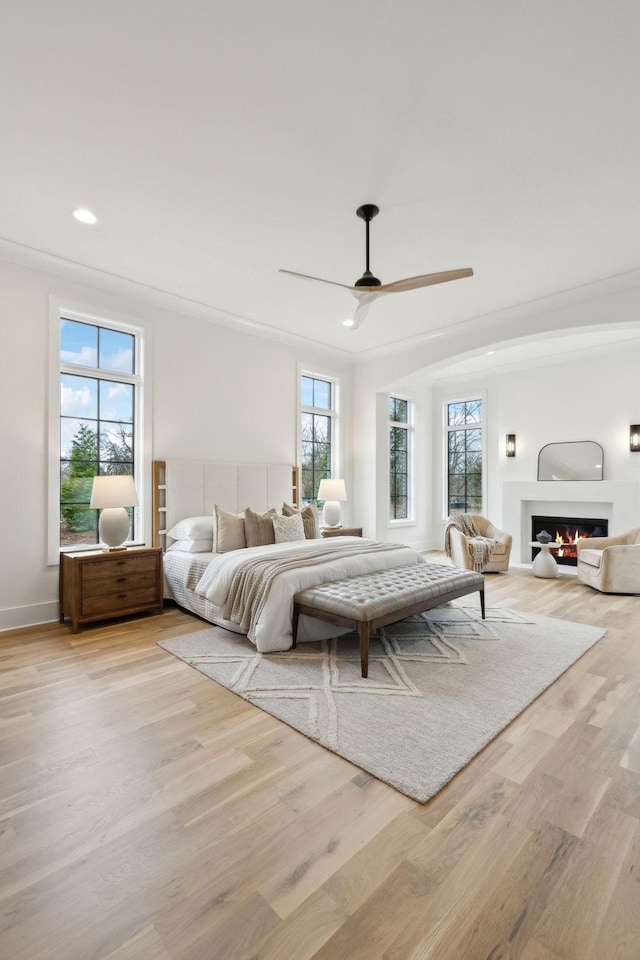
341	532
99	585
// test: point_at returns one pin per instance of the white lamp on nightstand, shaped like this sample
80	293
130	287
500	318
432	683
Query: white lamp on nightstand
333	492
110	495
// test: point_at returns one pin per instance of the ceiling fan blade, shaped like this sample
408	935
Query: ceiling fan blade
361	311
426	280
305	276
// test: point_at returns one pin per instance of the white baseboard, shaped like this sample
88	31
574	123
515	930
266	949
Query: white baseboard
12	618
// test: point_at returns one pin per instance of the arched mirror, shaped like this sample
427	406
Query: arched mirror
574	460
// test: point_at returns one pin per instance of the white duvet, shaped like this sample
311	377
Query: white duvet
273	629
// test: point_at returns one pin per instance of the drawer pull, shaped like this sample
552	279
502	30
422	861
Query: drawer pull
121	580
122	596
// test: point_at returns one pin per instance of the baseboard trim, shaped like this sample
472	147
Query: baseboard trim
12	618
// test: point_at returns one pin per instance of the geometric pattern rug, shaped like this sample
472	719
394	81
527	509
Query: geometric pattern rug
442	684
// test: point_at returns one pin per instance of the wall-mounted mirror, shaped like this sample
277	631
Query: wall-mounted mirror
575	460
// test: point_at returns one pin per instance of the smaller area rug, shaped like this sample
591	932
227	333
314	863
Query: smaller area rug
441	685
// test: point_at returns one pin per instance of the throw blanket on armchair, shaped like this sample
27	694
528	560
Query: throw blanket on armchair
481	546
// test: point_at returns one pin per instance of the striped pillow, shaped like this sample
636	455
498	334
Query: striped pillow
258	527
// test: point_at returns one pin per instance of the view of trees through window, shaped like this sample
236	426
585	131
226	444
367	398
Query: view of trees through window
398	459
97	420
317	430
464	458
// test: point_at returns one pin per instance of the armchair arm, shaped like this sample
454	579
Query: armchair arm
620	567
599	543
460	550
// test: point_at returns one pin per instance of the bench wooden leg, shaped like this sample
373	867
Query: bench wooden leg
294	624
482	602
364	632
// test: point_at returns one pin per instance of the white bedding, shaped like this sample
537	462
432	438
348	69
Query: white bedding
273	629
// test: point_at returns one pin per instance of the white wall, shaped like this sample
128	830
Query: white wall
217	394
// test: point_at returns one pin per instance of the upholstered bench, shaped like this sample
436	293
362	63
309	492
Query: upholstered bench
375	600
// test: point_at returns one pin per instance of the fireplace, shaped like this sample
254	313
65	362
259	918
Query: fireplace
566	530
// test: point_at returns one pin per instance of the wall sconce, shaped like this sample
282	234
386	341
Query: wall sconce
634	438
510	450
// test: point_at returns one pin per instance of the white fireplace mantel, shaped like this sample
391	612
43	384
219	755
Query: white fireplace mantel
617	501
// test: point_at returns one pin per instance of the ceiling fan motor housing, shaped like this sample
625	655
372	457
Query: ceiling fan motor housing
367	280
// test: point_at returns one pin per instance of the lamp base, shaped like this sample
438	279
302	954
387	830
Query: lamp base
113	527
331	513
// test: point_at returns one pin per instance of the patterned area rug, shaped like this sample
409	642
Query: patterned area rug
441	685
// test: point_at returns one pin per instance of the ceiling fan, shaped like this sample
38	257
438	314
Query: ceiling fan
368	288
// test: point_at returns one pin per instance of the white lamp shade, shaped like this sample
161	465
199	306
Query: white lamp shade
332	490
113	491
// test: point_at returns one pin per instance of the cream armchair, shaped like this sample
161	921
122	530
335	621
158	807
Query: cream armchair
461	550
610	564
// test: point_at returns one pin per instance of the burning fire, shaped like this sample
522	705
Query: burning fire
569	541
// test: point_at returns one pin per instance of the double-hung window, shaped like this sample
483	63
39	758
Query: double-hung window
99	420
318	433
464	456
400	453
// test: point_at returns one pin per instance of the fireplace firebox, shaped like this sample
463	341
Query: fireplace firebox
567	530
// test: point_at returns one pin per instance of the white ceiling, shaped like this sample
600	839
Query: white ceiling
220	141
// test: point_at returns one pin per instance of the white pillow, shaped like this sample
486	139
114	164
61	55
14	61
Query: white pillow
287	529
193	528
192	546
228	530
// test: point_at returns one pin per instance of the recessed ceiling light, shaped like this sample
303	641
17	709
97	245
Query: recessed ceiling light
347	323
85	216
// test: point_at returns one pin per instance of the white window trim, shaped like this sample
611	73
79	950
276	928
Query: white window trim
410	520
83	313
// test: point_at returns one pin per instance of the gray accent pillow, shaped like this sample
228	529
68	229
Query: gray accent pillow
258	527
310	518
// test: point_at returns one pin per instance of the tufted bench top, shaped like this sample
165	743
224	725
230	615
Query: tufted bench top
389	591
374	600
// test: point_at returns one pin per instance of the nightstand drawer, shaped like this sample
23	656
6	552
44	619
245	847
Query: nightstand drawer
116	582
112	603
100	577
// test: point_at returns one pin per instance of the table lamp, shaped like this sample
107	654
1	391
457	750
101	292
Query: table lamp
111	494
333	492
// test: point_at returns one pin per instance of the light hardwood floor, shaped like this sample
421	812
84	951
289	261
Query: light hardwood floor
149	814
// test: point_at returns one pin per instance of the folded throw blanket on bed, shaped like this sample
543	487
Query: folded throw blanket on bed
482	547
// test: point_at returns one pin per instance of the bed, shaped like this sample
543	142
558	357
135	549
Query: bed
250	589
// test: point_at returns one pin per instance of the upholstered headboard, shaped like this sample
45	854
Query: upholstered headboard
189	488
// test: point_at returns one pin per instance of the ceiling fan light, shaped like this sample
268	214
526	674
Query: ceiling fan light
82	215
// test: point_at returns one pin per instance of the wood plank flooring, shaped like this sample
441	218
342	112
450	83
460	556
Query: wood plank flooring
148	814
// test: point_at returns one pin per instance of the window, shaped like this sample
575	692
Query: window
318	433
464	457
399	458
99	418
